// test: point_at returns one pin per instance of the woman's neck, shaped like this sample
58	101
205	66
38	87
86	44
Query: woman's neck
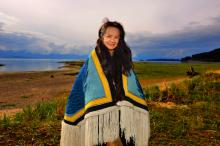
111	52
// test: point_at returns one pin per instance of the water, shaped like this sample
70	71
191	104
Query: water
18	65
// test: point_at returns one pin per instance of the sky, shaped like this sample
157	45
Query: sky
154	28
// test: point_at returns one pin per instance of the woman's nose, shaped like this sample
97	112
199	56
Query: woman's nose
113	40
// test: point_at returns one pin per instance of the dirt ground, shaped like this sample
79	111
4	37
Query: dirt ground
27	88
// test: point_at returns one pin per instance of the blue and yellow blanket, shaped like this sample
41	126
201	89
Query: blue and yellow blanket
91	91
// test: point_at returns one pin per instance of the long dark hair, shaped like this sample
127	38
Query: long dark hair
122	53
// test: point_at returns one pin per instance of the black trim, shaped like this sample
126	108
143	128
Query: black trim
75	122
136	103
98	107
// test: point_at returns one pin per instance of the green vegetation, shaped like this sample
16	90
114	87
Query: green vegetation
195	123
193	118
73	64
146	70
38	125
205	87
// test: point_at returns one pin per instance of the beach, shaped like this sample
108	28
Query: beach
19	89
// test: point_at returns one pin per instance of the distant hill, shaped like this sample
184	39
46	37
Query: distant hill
212	56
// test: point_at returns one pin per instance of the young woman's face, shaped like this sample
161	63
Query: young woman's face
111	38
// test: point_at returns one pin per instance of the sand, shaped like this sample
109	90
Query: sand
20	89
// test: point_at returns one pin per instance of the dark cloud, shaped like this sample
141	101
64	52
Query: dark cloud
192	39
33	43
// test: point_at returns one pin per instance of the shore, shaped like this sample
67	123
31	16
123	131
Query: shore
19	89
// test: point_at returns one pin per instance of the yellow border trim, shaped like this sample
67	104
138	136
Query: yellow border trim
108	97
74	117
129	94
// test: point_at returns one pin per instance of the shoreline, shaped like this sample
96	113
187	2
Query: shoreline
63	68
66	66
28	88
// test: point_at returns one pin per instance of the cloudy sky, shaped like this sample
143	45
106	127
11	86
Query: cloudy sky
154	28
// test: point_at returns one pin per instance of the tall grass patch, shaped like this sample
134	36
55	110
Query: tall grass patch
200	88
197	123
38	125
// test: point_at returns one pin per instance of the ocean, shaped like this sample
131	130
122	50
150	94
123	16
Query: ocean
20	65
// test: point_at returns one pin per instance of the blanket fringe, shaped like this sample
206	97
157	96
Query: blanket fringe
72	135
134	123
103	126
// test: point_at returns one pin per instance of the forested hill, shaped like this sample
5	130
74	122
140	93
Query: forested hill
212	56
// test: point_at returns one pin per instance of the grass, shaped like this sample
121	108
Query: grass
146	70
198	123
205	87
195	123
38	125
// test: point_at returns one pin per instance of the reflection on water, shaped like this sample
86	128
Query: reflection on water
16	65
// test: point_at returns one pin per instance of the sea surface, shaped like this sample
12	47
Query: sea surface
21	65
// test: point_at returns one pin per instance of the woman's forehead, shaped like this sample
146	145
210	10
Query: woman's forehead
112	30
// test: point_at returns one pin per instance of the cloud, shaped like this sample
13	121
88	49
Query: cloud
30	43
194	38
6	20
35	42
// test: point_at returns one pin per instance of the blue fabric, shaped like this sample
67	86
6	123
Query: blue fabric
76	99
134	85
93	86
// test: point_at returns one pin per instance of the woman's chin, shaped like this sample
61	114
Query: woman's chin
111	48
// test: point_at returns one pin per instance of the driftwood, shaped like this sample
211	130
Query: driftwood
191	72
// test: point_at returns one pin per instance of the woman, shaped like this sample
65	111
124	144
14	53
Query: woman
106	105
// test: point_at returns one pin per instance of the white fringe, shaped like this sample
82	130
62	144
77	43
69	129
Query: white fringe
72	135
134	123
103	126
